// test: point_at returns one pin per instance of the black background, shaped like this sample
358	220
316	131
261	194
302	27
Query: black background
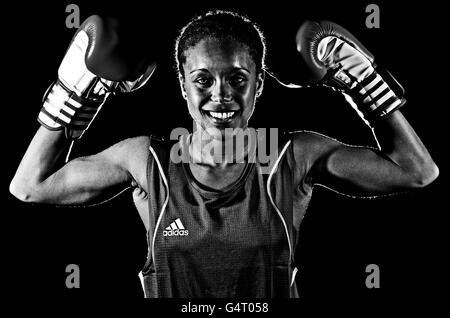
403	235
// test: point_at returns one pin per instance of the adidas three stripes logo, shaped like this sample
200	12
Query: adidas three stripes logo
176	228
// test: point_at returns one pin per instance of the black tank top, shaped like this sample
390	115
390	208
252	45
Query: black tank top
236	242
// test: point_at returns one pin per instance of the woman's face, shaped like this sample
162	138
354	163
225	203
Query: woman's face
220	85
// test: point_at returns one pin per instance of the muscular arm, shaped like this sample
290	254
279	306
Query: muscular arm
401	163
43	177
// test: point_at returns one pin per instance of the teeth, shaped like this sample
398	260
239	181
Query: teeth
221	115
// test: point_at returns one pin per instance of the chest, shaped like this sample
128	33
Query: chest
197	235
236	222
216	178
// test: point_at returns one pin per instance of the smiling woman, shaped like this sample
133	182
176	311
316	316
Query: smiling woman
220	59
220	84
227	227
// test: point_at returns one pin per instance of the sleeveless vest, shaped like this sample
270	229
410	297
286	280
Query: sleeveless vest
235	242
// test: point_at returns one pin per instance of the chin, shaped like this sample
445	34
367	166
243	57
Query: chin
217	130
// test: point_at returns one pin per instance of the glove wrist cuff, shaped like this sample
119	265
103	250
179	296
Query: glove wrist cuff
378	96
63	109
374	98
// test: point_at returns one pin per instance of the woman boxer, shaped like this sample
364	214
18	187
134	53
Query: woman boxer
218	226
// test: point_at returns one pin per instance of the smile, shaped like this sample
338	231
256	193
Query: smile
221	117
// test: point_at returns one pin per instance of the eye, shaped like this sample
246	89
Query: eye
204	81
238	80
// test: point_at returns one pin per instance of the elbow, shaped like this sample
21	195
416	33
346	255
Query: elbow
424	175
22	192
19	193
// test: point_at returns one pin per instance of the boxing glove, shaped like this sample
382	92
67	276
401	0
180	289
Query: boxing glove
94	66
338	60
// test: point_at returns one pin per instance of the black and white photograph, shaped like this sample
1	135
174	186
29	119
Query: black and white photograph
225	154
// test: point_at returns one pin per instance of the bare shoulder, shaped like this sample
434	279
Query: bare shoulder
131	154
127	150
309	149
311	145
136	146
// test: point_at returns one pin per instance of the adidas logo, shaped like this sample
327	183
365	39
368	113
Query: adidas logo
176	228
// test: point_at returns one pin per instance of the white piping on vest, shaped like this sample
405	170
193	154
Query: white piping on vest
163	176
271	199
294	273
141	278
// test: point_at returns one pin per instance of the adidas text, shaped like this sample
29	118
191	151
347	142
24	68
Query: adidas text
175	232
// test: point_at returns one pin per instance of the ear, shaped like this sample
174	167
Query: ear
260	83
183	90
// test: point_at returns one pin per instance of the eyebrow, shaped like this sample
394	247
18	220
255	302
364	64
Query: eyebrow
206	70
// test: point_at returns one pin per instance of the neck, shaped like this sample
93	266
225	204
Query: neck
222	150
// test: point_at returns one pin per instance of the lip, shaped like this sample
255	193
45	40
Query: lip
221	121
221	108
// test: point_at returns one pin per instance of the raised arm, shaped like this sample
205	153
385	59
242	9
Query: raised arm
94	67
42	176
401	161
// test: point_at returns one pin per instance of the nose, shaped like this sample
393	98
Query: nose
221	92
